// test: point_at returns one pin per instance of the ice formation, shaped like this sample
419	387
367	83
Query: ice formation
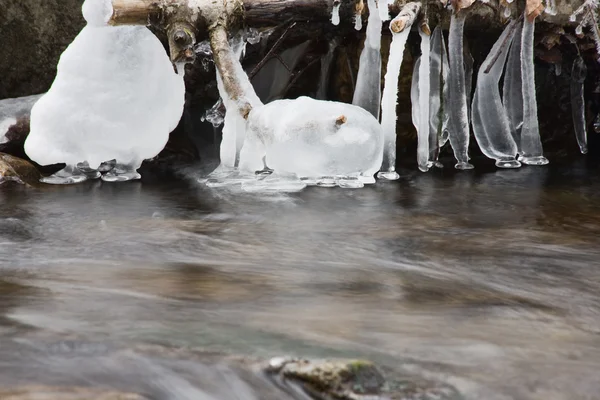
115	96
512	92
421	97
438	120
578	76
458	125
550	7
424	98
335	12
390	99
367	93
490	121
382	6
531	145
315	140
13	109
358	20
326	62
234	127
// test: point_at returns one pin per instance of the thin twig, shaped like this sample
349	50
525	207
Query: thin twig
270	53
297	75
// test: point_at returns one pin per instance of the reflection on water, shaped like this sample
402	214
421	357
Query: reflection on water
487	281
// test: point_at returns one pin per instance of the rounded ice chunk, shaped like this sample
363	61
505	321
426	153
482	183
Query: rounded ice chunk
97	12
116	96
313	139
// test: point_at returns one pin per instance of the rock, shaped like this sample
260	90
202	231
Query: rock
351	380
14	169
34	34
49	393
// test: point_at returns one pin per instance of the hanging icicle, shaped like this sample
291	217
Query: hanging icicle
437	92
578	75
490	122
367	93
531	144
512	94
424	98
400	28
457	93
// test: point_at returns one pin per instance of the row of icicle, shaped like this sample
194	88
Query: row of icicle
505	124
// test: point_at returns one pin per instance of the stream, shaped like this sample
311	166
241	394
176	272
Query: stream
485	281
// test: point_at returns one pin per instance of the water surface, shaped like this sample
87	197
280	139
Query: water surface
488	281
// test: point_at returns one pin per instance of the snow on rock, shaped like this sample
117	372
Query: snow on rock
116	96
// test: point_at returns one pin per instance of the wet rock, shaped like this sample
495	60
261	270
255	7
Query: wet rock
351	380
14	138
14	169
48	393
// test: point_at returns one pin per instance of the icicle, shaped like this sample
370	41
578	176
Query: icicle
400	28
358	21
438	92
469	62
550	7
578	76
335	12
424	98
490	122
531	145
367	93
457	93
512	94
384	12
325	70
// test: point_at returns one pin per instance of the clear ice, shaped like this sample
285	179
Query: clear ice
438	119
578	75
490	122
314	140
115	96
424	99
531	145
457	93
512	92
13	109
335	12
389	101
367	93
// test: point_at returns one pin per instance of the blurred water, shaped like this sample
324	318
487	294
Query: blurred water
487	281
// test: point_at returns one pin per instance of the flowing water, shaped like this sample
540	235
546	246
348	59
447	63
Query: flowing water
487	281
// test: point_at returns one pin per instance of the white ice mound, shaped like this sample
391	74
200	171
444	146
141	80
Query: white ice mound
312	139
115	96
97	12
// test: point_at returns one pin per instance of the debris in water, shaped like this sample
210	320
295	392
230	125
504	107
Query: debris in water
457	93
490	122
578	75
367	93
531	145
125	110
400	28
